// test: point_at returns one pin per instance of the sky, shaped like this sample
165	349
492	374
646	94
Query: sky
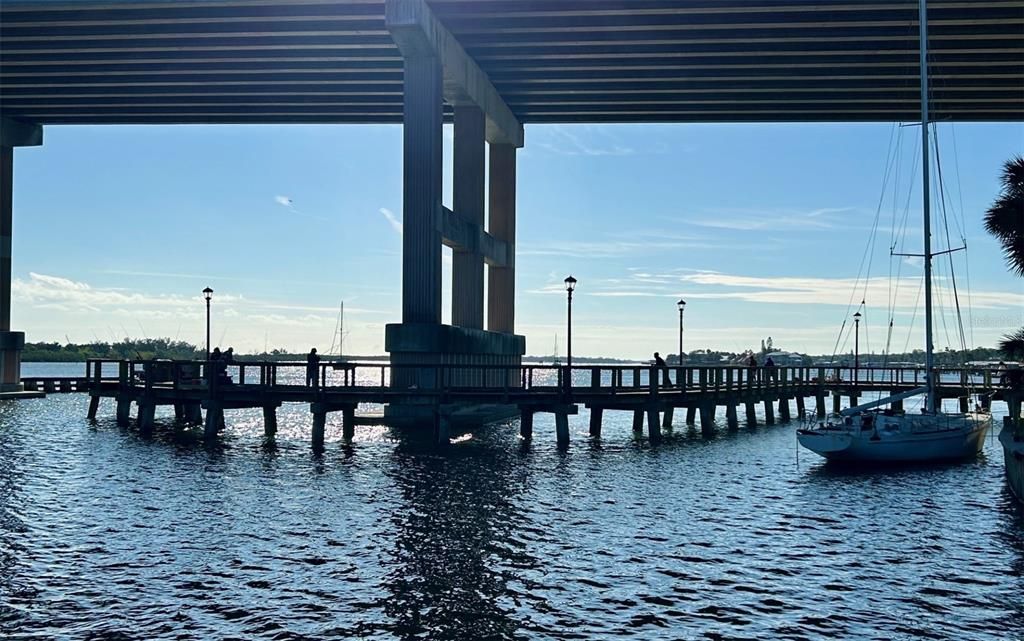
764	229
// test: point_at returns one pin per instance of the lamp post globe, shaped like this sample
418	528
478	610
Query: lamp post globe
682	307
570	285
207	294
856	346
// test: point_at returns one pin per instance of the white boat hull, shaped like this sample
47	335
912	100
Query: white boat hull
901	439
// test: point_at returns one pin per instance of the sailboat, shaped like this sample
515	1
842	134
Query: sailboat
868	434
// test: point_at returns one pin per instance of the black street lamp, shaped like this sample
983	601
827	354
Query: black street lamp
570	284
856	346
207	294
682	308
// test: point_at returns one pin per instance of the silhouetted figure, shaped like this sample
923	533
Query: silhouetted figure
215	355
312	368
751	362
660	364
229	355
769	365
769	362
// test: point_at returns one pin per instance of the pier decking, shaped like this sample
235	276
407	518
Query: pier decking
651	395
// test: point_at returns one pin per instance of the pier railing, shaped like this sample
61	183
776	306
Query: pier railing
592	378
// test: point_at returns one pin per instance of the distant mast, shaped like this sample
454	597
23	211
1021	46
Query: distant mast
929	362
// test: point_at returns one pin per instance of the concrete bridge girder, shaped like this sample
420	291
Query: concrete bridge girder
13	133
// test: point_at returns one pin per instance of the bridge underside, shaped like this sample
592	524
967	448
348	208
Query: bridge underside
488	66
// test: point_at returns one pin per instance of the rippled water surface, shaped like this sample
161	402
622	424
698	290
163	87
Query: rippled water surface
106	535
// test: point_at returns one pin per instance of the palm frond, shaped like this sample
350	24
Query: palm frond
1012	345
1005	218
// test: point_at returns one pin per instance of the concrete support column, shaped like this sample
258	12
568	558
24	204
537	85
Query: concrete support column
501	281
596	416
801	408
837	403
769	413
421	191
819	404
468	201
11	343
666	421
442	428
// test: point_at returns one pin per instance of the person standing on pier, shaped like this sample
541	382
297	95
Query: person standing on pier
661	365
312	368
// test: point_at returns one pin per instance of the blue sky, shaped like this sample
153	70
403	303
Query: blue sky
761	228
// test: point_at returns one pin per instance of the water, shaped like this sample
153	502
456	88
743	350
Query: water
106	535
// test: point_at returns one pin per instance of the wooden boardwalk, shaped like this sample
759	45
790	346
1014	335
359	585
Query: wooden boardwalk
653	396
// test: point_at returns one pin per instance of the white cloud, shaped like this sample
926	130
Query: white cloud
392	219
284	201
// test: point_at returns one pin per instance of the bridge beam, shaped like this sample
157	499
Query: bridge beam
419	33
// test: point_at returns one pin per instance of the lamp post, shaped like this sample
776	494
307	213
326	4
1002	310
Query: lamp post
682	308
570	285
207	294
856	347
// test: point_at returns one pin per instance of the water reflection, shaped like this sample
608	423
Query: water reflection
456	542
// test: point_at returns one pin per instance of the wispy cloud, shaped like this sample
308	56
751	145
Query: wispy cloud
822	219
624	244
289	204
392	219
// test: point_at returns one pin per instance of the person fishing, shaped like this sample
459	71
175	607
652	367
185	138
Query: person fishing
661	365
312	368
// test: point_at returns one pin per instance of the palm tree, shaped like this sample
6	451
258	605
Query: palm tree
1005	220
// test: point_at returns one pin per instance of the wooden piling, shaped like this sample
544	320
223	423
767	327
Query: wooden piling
214	420
769	413
124	408
319	428
596	416
837	403
442	428
526	424
147	414
801	409
94	407
897	406
731	421
784	414
667	420
348	423
638	421
819	404
653	425
707	419
269	422
751	408
691	415
193	413
853	399
964	404
562	427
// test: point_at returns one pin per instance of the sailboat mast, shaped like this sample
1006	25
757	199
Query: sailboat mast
926	204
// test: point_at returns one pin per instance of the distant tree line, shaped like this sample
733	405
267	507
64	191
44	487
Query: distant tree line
149	348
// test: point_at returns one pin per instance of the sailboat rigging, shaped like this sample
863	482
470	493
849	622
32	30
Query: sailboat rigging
867	434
